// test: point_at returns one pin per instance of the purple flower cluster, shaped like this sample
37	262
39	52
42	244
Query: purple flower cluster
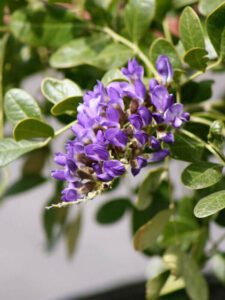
120	125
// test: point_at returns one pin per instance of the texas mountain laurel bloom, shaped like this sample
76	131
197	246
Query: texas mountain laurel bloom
119	125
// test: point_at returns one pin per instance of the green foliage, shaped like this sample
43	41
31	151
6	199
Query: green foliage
31	128
196	58
147	235
191	32
155	285
210	204
112	211
201	175
138	15
20	105
148	186
183	265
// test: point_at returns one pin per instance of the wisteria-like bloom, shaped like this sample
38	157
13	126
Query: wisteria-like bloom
118	126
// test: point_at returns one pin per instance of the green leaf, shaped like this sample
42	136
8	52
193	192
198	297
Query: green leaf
179	4
113	56
113	75
57	90
112	211
154	285
183	265
147	235
190	28
207	6
66	106
196	58
194	92
163	47
10	150
138	16
215	24
215	135
32	128
82	51
24	184
210	205
187	147
19	105
201	175
148	186
48	26
72	233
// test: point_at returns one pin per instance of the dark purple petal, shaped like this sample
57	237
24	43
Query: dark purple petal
155	144
168	138
136	121
71	165
70	194
142	137
133	71
152	84
96	152
114	168
159	155
158	118
58	174
164	69
145	114
161	98
140	89
140	163
116	137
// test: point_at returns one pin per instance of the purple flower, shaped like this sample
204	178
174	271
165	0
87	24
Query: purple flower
138	164
96	152
119	123
161	99
133	71
164	69
159	155
116	137
136	121
111	170
174	115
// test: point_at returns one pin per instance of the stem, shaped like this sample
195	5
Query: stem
61	130
195	75
3	43
216	244
132	46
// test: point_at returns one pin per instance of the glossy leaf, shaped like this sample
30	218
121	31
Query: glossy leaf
191	32
154	285
32	128
45	25
196	58
10	150
112	211
72	233
183	265
201	175
148	186
179	4
138	16
207	6
215	135
147	235
163	47
19	105
210	205
113	75
215	25
187	147
57	90
67	106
